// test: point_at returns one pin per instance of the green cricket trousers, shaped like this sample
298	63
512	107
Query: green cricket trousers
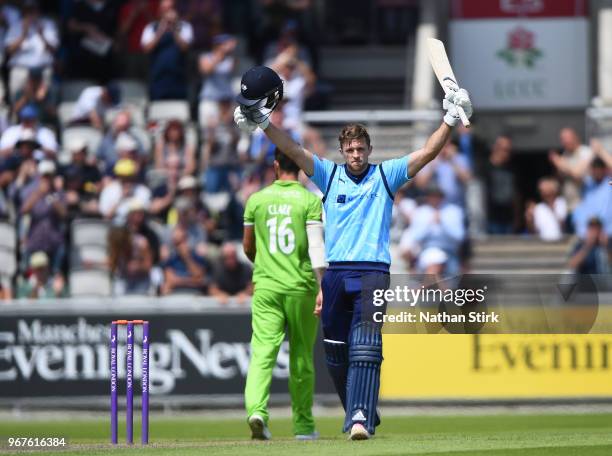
272	312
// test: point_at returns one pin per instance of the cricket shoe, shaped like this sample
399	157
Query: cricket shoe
259	430
313	436
359	432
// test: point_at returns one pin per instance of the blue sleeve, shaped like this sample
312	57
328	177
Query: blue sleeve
396	172
322	171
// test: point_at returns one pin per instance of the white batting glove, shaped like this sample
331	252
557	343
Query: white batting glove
454	99
243	123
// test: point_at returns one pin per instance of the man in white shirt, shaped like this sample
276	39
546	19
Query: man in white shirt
28	117
30	43
93	102
547	218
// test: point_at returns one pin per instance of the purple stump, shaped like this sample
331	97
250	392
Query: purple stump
113	382
129	391
145	383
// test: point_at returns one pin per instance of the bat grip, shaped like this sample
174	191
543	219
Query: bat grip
463	117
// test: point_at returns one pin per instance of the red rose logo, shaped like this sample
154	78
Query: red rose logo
520	50
520	38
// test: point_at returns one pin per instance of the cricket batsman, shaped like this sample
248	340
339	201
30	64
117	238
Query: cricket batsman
283	236
358	199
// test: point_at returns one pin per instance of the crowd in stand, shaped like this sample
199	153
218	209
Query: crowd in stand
172	188
470	185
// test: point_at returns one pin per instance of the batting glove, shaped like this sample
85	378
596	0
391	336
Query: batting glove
453	100
247	125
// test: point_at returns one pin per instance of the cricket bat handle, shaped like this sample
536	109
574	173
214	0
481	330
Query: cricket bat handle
463	117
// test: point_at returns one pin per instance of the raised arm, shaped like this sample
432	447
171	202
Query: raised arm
290	148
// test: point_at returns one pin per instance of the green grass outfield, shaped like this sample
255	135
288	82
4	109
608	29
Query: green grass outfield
491	435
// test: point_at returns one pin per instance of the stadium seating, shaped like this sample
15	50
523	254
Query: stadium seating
92	136
168	109
70	90
90	282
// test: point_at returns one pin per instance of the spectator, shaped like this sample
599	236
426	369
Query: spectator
191	224
189	189
596	204
45	203
591	254
39	93
41	283
164	193
122	123
572	165
82	181
502	201
217	67
599	176
450	172
546	218
231	278
185	270
205	16
221	154
9	17
117	194
30	43
130	257
137	223
92	28
167	42
299	83
435	235
21	166
28	126
173	142
288	37
93	103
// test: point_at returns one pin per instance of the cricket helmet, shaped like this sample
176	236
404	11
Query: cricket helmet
261	89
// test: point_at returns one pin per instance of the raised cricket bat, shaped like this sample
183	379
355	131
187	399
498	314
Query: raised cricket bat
441	66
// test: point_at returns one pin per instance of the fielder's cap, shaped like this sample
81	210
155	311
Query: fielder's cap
256	84
125	143
125	168
28	112
187	183
76	145
39	259
28	136
46	167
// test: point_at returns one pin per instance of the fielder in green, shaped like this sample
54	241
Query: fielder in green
283	236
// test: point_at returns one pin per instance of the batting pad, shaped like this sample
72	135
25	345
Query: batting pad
365	358
337	357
